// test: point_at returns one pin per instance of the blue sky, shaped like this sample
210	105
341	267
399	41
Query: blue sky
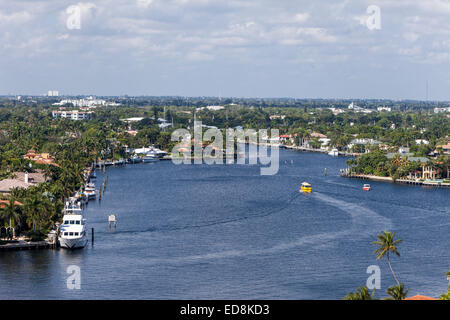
240	48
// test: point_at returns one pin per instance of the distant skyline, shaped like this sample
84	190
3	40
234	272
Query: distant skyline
228	48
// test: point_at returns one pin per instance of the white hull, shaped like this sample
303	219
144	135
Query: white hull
334	153
73	243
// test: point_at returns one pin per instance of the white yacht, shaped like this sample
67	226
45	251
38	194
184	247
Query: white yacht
159	153
89	191
334	152
150	157
72	232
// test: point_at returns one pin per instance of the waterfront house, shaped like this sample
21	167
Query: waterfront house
285	137
22	180
323	139
362	143
42	158
445	148
428	172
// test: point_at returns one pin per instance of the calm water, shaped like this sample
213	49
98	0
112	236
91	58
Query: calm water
222	232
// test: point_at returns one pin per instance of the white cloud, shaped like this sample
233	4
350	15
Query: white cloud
301	17
244	34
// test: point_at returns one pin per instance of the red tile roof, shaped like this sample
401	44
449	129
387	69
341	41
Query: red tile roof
420	297
4	203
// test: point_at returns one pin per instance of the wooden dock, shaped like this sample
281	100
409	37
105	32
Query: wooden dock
24	245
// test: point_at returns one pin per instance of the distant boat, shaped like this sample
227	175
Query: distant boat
366	187
305	187
334	152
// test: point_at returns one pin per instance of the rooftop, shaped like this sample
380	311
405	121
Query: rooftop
420	297
18	180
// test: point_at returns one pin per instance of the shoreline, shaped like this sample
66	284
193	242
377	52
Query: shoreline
26	245
430	183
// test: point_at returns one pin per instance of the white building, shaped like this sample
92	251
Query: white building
73	115
439	110
53	93
388	109
88	102
352	106
336	111
211	108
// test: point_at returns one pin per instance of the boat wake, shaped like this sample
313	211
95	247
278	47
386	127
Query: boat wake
365	222
261	214
363	219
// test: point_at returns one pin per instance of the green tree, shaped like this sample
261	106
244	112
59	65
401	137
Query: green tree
362	293
387	245
397	292
10	213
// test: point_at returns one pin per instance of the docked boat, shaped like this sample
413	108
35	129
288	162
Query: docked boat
72	232
305	187
150	157
90	192
334	152
81	197
135	159
366	187
159	153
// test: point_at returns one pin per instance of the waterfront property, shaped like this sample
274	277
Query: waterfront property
22	180
40	158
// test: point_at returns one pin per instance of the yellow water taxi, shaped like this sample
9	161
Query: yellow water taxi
305	187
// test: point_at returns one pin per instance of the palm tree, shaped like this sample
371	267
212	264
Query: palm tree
362	293
446	296
448	278
34	208
10	212
387	244
397	292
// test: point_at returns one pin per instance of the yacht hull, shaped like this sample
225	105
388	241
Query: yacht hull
73	243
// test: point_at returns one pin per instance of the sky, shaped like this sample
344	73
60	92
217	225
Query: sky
227	48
